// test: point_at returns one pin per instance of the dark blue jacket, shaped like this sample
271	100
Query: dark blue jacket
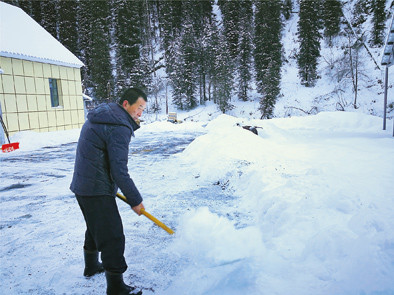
102	154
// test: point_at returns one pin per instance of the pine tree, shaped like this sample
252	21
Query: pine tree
188	66
238	29
222	71
231	22
95	49
49	16
267	54
84	44
202	23
332	13
184	64
245	49
26	6
287	8
378	20
12	2
182	24
149	42
204	58
68	30
170	21
360	13
127	43
211	48
36	12
175	74
309	39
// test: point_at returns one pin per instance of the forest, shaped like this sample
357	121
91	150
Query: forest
203	50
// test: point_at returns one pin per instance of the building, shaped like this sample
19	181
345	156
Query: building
40	79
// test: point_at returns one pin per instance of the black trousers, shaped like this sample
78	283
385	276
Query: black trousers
104	230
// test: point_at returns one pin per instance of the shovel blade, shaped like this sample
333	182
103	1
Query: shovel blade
9	147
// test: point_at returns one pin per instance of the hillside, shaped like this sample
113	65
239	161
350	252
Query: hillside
333	91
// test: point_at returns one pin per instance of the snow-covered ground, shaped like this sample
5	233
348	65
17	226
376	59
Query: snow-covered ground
305	207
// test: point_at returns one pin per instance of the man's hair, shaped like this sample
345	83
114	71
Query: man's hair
132	95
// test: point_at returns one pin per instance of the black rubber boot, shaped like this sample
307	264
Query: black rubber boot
116	285
92	265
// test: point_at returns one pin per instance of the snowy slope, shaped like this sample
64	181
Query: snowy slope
318	192
331	93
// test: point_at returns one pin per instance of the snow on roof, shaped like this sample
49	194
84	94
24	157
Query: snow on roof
23	38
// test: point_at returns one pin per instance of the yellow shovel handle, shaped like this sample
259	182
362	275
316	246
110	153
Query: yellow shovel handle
150	216
157	221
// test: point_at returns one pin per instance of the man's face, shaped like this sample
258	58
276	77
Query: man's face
136	109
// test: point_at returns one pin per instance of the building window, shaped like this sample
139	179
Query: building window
53	86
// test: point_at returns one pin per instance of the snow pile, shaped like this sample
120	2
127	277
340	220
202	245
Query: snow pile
219	259
318	193
214	240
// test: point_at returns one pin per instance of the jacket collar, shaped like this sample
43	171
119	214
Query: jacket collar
133	123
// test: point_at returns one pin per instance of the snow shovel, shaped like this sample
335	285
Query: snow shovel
8	147
148	215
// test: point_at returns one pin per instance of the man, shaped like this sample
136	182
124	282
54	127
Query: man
100	168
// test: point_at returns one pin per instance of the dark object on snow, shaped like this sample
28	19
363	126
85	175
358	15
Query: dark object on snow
116	285
92	265
250	128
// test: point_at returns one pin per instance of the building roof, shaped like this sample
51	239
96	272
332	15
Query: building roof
23	38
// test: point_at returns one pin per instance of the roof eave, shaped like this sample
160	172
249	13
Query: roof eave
77	64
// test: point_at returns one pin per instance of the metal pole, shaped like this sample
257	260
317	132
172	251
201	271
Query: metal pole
385	97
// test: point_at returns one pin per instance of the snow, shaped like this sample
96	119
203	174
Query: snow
23	38
30	141
305	207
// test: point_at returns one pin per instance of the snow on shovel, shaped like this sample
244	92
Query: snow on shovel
148	215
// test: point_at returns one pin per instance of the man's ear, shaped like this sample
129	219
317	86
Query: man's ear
124	104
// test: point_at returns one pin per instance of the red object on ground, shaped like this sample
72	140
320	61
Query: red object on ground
9	147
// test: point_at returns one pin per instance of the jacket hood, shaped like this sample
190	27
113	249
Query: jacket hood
113	114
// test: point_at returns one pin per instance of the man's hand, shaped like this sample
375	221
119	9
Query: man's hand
137	209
